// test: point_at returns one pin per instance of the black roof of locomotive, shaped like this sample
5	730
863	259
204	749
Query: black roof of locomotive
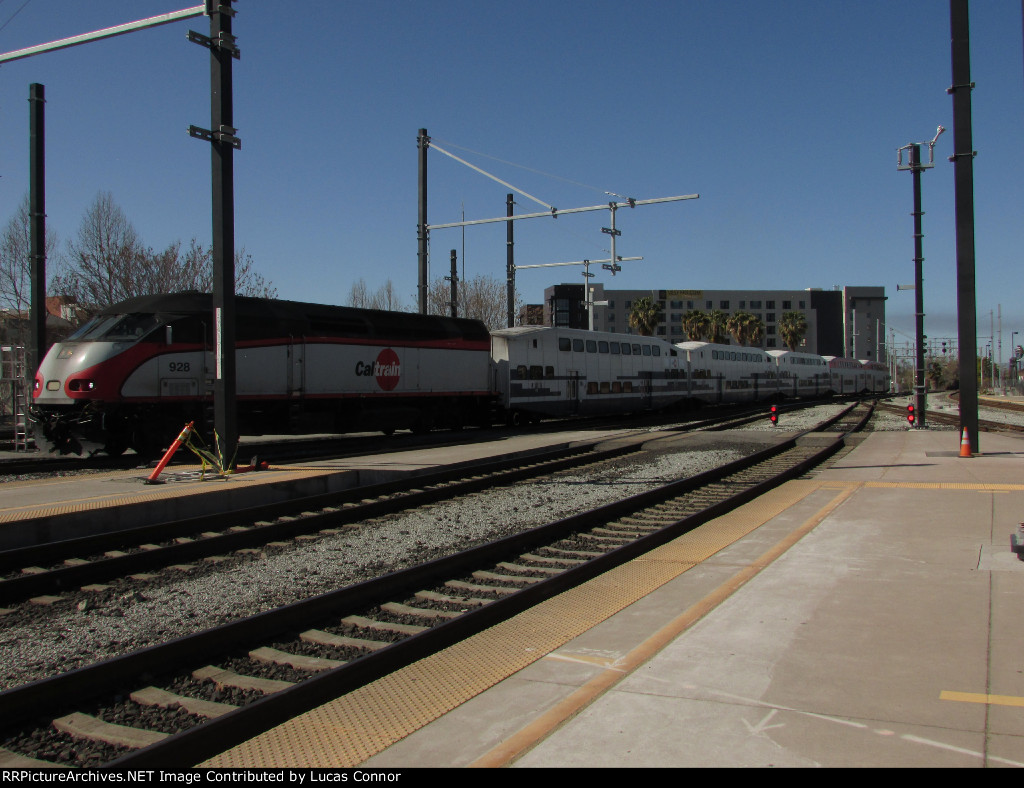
271	317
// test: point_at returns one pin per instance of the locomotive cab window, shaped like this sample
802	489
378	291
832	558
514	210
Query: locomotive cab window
577	345
564	343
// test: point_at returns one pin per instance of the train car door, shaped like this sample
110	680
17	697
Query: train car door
647	386
572	390
296	368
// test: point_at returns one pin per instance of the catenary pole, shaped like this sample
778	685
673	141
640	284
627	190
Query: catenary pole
963	162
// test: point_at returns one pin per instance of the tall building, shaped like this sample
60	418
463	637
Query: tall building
848	321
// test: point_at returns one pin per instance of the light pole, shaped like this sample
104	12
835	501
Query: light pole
916	166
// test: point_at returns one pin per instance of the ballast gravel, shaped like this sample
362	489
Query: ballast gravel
59	640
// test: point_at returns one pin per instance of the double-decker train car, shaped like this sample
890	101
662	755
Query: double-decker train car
876	378
142	368
729	373
541	371
801	374
846	375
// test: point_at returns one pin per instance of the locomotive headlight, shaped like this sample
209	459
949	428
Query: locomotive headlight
65	353
81	384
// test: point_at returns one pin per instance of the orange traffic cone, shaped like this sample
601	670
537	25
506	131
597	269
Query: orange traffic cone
965	444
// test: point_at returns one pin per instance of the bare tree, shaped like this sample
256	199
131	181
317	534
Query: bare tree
15	266
385	297
481	298
108	263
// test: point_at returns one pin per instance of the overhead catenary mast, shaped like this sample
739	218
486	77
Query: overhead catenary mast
424	142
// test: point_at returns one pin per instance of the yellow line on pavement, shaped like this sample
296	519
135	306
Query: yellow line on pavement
977	697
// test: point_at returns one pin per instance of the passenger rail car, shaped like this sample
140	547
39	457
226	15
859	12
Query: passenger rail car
876	378
542	371
846	375
801	374
729	373
141	369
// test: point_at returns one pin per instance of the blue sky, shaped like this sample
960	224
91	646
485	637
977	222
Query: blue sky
784	117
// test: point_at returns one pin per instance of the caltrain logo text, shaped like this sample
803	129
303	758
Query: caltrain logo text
387	369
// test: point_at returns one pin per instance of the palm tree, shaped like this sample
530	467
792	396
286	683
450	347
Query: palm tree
695	324
792	328
716	325
745	328
644	316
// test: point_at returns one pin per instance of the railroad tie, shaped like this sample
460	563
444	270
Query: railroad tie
495	577
154	696
550	559
85	726
433	596
383	626
548	570
461	585
297	661
228	678
406	610
321	638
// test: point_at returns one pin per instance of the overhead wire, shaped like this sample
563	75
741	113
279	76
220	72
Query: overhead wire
11	17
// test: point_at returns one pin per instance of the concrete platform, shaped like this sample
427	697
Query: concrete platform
869	616
36	511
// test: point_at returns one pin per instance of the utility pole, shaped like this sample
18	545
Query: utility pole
422	143
963	162
223	142
915	167
510	262
37	229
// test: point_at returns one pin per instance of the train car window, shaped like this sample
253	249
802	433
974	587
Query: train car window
614	346
656	351
577	345
549	372
591	346
636	350
647	350
604	387
130	328
535	343
190	330
536	373
627	387
521	372
672	353
564	343
94	328
616	387
602	347
592	387
625	349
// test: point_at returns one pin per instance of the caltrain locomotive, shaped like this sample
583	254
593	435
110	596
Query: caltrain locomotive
139	370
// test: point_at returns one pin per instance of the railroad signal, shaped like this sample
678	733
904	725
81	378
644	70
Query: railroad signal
911	415
773	414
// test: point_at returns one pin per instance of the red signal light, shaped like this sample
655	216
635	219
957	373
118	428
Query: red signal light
773	414
911	417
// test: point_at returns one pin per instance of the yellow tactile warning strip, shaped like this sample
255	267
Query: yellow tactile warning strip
174	489
350	729
982	486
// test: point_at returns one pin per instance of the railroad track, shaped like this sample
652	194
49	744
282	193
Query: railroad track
220	687
59	567
942	417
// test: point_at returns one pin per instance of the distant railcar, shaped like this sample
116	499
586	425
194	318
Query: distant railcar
544	372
